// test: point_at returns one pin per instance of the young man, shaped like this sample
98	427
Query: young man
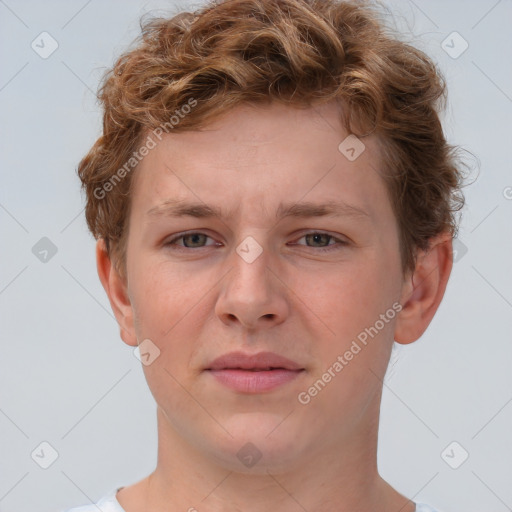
274	200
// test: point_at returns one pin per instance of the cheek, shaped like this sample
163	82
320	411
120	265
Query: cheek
352	311
343	299
157	315
166	315
161	299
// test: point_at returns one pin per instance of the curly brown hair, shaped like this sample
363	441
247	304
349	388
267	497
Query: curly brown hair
298	52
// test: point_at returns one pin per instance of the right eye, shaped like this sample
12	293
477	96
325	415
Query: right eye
191	240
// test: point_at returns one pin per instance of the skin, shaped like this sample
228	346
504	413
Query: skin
204	300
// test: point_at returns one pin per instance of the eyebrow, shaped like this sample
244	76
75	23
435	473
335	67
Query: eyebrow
181	208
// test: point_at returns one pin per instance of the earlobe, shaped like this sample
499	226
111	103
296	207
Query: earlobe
423	291
117	293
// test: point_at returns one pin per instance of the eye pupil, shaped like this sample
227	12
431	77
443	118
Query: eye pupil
192	236
319	237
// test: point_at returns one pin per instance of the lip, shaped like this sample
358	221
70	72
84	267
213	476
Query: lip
254	373
259	361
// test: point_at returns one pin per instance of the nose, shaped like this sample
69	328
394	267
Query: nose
252	295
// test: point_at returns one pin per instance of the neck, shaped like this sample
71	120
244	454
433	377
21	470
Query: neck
340	478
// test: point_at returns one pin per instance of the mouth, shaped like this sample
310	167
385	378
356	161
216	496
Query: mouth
255	369
262	361
254	373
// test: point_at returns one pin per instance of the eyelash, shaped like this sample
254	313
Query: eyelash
319	249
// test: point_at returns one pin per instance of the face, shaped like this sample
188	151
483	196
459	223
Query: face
258	235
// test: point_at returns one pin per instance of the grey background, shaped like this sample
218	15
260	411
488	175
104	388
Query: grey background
66	377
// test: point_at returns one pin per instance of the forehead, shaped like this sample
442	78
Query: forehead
252	127
262	153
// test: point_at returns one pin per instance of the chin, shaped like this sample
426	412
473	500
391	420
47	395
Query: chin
262	443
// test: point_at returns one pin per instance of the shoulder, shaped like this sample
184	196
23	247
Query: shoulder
108	503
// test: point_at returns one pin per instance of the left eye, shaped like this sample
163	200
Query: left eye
320	238
195	240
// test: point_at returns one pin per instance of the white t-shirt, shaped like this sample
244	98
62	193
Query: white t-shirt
109	503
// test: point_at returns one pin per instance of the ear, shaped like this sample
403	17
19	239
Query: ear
117	292
423	291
